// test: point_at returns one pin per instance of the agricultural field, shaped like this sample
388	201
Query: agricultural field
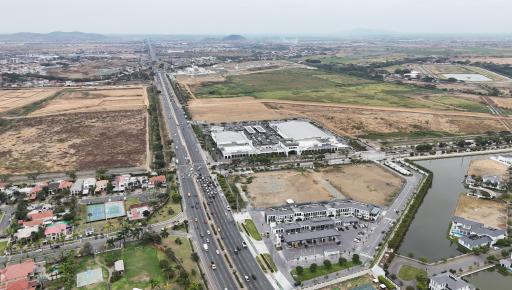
318	86
91	69
94	100
14	99
78	141
489	212
483	167
367	183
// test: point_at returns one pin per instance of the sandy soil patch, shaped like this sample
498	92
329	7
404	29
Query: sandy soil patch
231	110
368	183
95	100
12	99
274	188
79	141
489	212
487	167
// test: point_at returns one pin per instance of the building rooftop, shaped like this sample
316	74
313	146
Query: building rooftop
310	235
450	281
298	130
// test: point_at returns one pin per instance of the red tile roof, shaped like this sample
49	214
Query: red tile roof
55	229
64	184
157	179
21	284
41	215
32	223
17	271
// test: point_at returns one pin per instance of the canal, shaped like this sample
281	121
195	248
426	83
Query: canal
490	280
427	235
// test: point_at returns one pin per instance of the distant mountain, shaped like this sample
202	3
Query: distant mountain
234	37
57	36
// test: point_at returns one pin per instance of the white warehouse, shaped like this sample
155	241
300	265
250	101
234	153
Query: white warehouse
282	137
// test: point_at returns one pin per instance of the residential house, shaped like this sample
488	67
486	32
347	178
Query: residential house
156	181
101	185
26	232
53	187
46	217
20	276
472	234
77	187
121	183
55	231
65	184
446	281
88	185
507	263
136	211
119	266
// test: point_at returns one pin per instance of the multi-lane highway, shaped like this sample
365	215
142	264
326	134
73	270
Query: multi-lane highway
210	221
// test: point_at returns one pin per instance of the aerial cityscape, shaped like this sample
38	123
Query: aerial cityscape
333	145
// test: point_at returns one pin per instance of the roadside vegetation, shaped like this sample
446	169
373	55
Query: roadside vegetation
155	139
251	229
227	183
301	274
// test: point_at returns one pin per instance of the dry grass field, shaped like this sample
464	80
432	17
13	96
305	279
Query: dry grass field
367	183
349	120
95	100
79	141
13	99
487	167
503	102
489	212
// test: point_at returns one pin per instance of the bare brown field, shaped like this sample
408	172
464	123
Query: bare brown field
230	110
79	141
489	212
95	100
368	183
487	167
503	102
12	99
274	188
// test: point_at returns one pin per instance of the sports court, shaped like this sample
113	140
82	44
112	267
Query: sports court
102	211
89	277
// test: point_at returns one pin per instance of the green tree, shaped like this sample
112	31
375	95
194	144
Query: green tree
313	268
355	259
342	261
327	264
164	233
299	270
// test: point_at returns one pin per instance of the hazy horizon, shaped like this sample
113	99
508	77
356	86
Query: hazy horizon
262	17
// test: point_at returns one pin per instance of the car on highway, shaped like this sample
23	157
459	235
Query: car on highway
247	278
214	266
217	252
244	244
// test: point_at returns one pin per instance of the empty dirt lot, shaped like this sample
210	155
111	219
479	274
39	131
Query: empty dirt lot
79	141
489	212
230	110
12	99
487	167
362	182
95	100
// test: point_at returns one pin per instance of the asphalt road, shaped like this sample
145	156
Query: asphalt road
191	163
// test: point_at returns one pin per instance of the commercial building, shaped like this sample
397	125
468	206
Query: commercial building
333	209
472	234
280	137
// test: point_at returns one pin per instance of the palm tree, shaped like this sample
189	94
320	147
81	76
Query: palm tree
153	283
164	233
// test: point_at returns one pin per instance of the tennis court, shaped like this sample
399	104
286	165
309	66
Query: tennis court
108	210
89	277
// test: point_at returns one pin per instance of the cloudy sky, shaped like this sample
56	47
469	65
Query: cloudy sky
256	16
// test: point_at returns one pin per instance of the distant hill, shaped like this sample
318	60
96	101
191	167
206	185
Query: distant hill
234	37
57	36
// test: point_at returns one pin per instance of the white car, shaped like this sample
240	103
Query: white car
208	233
217	252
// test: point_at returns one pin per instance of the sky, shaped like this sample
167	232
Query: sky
262	17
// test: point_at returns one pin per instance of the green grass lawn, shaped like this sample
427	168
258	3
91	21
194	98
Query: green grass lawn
320	86
252	230
141	264
320	271
3	246
163	213
409	273
184	251
267	259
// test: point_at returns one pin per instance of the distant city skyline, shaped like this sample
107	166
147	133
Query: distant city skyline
272	17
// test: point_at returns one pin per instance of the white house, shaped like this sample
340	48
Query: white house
507	263
89	184
448	281
77	187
